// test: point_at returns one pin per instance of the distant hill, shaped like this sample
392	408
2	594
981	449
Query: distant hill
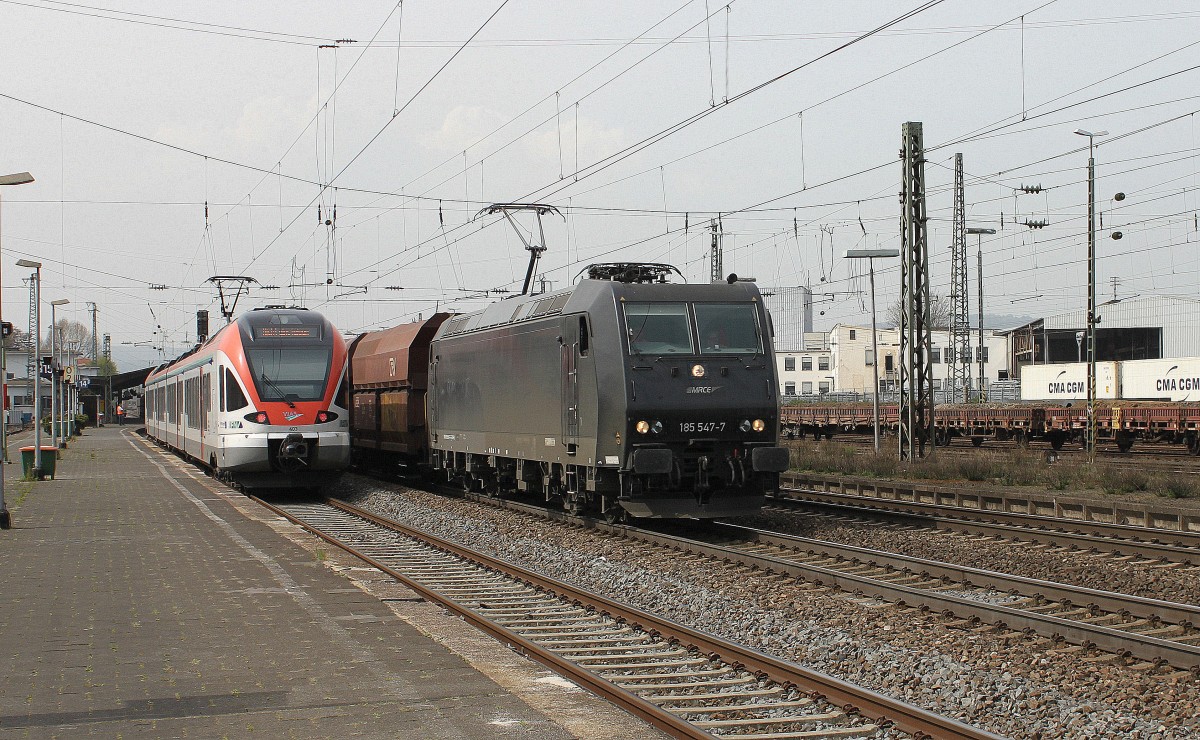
990	321
1006	321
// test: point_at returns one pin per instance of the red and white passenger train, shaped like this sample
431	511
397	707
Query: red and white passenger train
263	402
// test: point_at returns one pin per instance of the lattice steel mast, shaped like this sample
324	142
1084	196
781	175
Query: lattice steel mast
716	254
31	365
916	367
959	373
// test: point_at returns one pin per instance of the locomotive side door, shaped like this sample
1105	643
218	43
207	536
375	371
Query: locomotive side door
569	365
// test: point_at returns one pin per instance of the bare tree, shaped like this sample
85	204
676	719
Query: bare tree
18	340
939	312
75	337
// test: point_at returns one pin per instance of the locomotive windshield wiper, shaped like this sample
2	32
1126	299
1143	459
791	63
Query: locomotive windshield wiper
282	395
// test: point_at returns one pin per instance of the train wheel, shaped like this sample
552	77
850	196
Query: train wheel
614	514
489	483
977	441
1056	442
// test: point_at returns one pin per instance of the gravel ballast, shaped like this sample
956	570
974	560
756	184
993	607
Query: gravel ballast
1007	683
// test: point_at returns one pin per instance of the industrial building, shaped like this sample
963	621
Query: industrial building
1139	328
791	314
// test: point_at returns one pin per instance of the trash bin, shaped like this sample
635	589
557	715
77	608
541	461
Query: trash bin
49	457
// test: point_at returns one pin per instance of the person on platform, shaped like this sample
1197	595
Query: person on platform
120	415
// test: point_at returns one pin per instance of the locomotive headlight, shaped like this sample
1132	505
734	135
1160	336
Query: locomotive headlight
745	425
642	427
758	425
697	371
656	427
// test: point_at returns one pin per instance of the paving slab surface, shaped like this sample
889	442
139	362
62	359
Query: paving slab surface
140	599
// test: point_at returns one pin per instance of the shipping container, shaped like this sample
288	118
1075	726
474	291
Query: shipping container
1161	380
1067	382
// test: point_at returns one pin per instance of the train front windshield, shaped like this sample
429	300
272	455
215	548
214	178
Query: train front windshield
667	328
727	329
290	374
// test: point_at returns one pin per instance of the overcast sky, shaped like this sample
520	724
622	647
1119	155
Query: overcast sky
635	119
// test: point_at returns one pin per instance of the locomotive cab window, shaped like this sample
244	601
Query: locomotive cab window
658	328
584	339
727	329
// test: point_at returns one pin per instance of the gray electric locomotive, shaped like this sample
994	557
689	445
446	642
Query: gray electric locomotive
622	394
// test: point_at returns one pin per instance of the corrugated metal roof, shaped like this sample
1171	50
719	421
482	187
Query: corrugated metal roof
1132	312
1177	316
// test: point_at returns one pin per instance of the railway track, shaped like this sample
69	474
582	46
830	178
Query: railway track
1148	543
688	683
1161	454
1154	634
1161	632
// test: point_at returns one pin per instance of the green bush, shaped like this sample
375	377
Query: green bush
1175	486
975	468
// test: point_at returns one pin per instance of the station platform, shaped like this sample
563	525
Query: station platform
138	598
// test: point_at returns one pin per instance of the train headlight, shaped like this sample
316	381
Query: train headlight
325	416
642	427
758	425
697	371
745	425
258	417
656	427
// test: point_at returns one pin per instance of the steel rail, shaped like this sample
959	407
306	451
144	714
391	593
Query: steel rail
1110	639
852	698
1137	606
863	508
626	700
1152	542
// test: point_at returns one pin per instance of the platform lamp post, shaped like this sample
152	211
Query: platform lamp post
1090	443
870	255
18	178
37	355
979	269
55	393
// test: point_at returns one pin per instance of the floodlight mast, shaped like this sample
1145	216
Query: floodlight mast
535	249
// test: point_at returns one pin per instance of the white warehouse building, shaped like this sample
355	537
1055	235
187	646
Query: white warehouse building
840	361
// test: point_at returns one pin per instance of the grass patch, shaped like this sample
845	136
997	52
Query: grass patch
19	493
1176	487
1013	467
